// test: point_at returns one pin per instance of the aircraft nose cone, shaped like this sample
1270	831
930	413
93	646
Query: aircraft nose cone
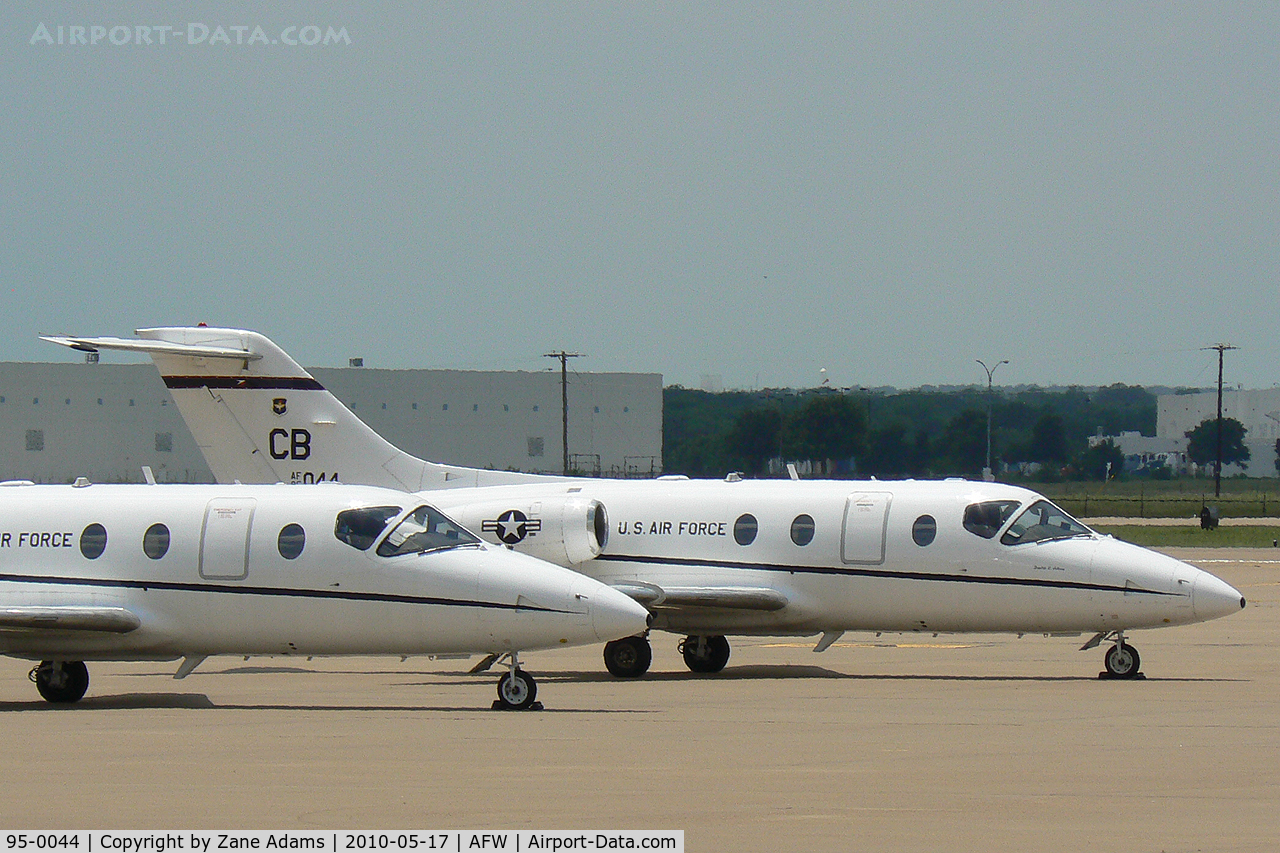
613	615
1212	597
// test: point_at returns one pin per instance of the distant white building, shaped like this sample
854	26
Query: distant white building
105	421
1148	451
1257	411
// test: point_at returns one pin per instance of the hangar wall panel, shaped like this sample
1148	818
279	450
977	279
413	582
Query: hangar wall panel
105	421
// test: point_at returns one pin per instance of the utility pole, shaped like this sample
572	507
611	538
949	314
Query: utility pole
986	472
564	397
1217	468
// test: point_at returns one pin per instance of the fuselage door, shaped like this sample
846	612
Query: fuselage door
224	539
866	520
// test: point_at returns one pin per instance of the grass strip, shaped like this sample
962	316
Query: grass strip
1189	536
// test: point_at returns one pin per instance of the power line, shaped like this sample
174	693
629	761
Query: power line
1217	468
564	397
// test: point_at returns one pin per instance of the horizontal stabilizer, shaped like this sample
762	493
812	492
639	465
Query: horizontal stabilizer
727	597
151	347
112	620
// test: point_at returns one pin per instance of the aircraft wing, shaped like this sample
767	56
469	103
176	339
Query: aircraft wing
111	620
727	597
151	347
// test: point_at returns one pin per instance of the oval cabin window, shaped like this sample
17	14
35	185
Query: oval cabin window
291	541
924	530
802	530
745	529
93	541
155	542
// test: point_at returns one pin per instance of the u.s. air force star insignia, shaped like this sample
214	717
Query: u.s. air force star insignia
279	405
511	526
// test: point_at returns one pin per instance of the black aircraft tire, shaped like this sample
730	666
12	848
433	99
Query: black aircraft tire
1122	661
629	657
715	658
519	693
72	689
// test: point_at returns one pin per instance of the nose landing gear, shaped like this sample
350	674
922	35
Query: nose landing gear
1121	661
517	691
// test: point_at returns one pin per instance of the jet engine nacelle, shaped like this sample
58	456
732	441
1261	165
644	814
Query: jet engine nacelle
564	530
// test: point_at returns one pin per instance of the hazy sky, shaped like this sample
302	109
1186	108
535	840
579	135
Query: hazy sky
754	190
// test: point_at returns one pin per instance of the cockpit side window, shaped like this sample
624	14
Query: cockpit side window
1042	520
425	529
360	527
986	519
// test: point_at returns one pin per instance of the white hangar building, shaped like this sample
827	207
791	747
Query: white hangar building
105	421
1257	411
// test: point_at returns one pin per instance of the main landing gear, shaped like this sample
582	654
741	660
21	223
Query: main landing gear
1121	660
61	681
629	657
705	654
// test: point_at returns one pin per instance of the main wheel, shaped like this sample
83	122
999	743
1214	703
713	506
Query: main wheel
713	657
629	657
1122	661
62	683
517	691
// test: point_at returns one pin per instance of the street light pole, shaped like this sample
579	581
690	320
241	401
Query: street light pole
986	472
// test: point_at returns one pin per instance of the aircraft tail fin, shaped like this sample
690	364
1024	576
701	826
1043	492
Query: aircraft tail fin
260	417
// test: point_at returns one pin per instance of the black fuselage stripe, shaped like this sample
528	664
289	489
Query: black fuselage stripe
279	592
253	383
877	573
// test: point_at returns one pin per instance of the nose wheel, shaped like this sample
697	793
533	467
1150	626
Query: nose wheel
517	691
61	682
629	657
1122	661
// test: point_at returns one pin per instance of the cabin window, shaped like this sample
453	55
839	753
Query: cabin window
924	530
291	541
93	541
360	527
986	519
745	529
1042	520
802	530
155	542
425	529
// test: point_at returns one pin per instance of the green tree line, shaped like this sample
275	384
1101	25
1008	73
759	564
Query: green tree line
918	433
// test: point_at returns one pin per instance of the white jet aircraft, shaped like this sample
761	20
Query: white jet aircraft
162	572
708	557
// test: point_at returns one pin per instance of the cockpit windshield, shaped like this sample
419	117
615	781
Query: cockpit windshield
425	529
1040	521
986	519
360	527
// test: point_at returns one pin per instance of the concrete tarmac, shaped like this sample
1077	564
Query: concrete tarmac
897	743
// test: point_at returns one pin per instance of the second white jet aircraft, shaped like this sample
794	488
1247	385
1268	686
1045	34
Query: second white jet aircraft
711	558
